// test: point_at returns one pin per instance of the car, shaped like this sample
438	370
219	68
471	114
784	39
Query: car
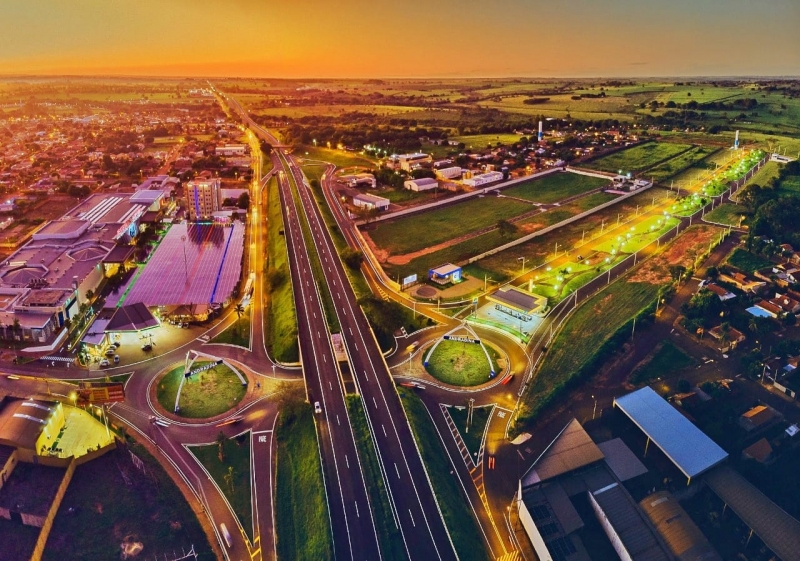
110	352
226	535
147	347
104	362
704	283
412	347
317	407
116	359
116	344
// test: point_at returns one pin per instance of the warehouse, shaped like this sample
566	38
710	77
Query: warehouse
369	202
422	184
483	179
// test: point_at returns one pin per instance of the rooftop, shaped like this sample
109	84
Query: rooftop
572	449
446	269
682	536
684	444
518	299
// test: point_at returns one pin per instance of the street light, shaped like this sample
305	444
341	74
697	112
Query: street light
523	266
594	410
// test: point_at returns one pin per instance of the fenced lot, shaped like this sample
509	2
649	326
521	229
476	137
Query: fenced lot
639	157
555	187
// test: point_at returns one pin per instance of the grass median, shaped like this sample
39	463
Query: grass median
390	539
462	364
231	473
238	333
281	317
205	394
458	517
302	523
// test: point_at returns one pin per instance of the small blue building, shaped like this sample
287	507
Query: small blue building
445	274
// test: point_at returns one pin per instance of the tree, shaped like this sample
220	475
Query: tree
243	202
89	294
220	440
506	228
229	478
712	272
239	309
677	271
352	258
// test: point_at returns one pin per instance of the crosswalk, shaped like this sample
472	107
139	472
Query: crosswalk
511	556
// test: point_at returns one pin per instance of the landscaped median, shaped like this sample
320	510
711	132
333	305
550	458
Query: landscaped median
457	515
205	394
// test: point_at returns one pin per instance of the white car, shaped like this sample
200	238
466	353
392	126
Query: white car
104	362
317	407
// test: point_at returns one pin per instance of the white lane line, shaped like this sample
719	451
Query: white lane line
330	386
397	470
384	430
365	375
347	461
338	422
375	402
412	518
358	515
324	359
351	330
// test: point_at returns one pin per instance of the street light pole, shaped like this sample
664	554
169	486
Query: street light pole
594	410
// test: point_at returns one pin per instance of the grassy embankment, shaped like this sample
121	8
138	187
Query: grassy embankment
728	214
302	523
555	187
232	475
666	361
458	517
746	261
281	318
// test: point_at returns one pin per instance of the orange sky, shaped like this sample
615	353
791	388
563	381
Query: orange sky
350	38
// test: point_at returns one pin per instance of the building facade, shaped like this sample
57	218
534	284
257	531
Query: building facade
203	199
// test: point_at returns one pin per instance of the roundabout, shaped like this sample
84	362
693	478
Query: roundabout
463	361
213	388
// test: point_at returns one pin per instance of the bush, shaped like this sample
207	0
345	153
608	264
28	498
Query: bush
352	258
275	278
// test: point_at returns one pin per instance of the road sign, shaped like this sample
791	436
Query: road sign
203	368
101	392
462	339
410	279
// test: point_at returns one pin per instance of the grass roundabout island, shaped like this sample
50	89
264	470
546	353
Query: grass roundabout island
205	394
462	364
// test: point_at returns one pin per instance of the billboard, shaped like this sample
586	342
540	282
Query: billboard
409	280
101	392
461	339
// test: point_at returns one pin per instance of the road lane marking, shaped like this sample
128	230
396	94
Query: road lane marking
384	430
412	518
397	470
357	514
338	422
350	329
375	402
365	375
324	359
330	386
347	461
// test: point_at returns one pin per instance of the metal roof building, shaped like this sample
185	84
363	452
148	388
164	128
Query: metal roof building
684	444
683	538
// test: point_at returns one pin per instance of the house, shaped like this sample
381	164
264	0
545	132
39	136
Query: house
729	339
759	451
786	304
483	179
759	417
724	295
445	274
452	172
781	275
768	308
421	184
743	282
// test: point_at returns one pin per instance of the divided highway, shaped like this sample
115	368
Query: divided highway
415	508
352	524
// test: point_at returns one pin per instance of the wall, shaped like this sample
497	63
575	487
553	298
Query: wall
5	471
47	525
533	532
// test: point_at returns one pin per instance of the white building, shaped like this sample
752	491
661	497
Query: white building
422	184
203	198
453	172
365	200
483	179
231	150
410	162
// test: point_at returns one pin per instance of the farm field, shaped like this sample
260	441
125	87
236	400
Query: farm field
554	187
298	112
638	158
561	105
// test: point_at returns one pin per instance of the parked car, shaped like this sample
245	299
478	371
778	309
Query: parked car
104	363
147	347
116	359
317	407
110	352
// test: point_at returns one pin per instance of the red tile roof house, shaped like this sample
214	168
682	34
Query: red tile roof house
785	303
723	294
731	338
770	308
742	282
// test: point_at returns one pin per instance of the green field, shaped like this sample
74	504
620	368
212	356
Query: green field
638	158
456	512
237	334
205	394
554	187
668	360
235	487
301	511
281	318
418	231
728	214
461	364
578	349
334	110
746	261
389	537
481	141
339	158
674	166
112	501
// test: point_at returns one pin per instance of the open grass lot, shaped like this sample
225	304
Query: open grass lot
236	487
612	107
480	141
746	261
676	165
205	394
473	438
594	323
339	158
667	361
301	513
238	333
461	364
389	537
115	503
639	157
455	509
334	110
728	214
418	231
555	187
281	318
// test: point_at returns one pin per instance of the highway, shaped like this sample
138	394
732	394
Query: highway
415	508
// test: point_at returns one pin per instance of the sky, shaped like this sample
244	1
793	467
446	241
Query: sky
412	38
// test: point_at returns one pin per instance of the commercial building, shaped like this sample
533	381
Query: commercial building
445	274
31	426
410	162
231	150
683	538
453	172
369	202
422	184
203	198
518	302
483	179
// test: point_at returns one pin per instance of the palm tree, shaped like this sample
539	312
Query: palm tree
221	446
228	477
239	309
